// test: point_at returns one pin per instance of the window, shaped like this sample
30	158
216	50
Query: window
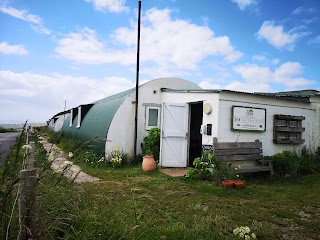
74	113
288	129
152	117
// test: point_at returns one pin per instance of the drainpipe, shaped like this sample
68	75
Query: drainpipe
137	88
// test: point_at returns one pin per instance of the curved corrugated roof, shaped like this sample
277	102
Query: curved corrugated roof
96	122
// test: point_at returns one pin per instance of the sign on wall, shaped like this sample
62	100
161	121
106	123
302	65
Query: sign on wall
248	119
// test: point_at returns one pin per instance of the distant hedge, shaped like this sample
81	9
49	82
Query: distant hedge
3	130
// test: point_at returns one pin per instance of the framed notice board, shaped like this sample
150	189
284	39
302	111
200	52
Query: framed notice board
248	119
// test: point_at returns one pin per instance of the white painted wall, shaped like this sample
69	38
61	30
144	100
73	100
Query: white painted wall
273	106
211	98
121	131
315	102
57	125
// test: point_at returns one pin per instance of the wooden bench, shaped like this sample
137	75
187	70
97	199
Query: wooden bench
245	157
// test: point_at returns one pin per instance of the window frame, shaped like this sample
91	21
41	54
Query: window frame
148	107
79	117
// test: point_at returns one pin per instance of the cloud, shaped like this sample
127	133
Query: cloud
254	73
287	74
7	49
314	40
34	20
165	43
38	97
302	9
237	86
259	58
110	5
275	35
21	14
175	41
84	47
243	4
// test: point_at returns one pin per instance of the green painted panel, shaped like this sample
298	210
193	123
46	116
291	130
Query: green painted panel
96	123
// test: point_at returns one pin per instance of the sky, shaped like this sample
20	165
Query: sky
79	51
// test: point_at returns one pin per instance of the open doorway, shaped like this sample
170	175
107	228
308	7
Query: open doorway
195	140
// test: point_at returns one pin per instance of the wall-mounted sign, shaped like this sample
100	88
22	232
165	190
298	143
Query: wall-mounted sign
248	119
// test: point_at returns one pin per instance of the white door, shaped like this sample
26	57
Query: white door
174	135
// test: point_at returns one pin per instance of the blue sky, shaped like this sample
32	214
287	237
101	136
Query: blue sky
84	50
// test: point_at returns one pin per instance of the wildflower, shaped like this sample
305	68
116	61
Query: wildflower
236	231
238	175
244	232
27	146
70	155
41	141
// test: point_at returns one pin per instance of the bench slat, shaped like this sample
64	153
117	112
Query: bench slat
245	151
253	169
233	158
224	145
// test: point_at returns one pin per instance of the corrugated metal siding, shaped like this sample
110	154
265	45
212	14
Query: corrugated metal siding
97	121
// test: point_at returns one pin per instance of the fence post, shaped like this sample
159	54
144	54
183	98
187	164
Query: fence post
27	196
27	204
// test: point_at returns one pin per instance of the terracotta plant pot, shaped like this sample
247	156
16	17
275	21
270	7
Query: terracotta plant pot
148	163
239	184
227	184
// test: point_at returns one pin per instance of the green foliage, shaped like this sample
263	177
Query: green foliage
207	168
285	163
86	156
289	163
4	130
151	143
54	137
9	180
72	145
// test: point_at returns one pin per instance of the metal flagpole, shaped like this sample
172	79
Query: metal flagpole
137	86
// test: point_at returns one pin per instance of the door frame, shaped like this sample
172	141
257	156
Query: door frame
187	106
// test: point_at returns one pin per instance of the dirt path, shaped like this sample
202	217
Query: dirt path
67	168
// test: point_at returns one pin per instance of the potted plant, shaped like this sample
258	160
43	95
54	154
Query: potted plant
148	162
150	150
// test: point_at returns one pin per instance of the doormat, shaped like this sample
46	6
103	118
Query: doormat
174	172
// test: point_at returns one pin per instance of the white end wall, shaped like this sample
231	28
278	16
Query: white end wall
211	98
121	128
273	106
121	131
59	123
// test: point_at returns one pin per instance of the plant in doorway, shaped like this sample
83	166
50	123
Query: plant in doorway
150	149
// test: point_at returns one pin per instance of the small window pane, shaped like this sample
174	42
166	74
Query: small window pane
153	117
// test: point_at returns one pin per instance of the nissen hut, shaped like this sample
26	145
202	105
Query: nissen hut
192	119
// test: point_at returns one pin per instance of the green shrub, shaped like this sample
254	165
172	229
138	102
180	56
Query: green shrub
207	168
309	161
54	137
151	143
290	164
286	163
4	130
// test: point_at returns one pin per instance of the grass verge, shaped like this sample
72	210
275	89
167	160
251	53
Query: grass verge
130	204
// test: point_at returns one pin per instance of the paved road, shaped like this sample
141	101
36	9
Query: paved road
7	140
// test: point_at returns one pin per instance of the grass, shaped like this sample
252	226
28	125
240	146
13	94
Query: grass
130	204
